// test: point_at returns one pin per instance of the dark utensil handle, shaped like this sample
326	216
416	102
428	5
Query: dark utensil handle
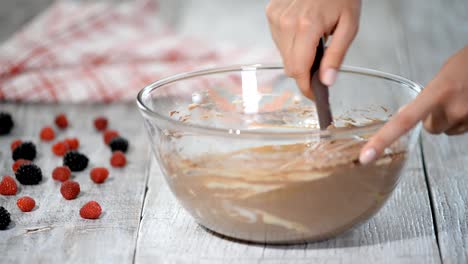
320	90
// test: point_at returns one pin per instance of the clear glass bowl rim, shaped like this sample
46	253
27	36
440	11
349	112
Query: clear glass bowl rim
206	130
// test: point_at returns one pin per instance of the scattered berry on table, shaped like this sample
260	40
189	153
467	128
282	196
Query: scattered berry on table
47	133
109	135
61	121
6	123
99	174
70	189
60	148
8	186
118	159
29	174
26	204
119	143
18	163
4	218
75	161
100	123
15	144
27	150
73	143
91	210
61	173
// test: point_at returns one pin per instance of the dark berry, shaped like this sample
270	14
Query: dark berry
119	143
6	123
4	218
27	151
29	174
75	161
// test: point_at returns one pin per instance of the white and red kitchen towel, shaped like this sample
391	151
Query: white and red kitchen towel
102	52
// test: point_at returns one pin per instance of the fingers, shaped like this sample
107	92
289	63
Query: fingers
458	129
397	126
296	37
343	36
302	56
436	122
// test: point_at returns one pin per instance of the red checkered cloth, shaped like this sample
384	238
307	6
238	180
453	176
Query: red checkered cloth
102	52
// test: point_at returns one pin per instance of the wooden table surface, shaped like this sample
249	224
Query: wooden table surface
425	221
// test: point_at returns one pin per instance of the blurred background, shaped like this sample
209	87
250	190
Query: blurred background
410	38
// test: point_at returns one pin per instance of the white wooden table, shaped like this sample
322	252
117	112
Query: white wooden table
425	221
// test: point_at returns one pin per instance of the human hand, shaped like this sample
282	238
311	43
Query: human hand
297	26
442	105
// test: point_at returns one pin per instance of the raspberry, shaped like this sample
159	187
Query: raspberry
18	163
119	143
8	186
15	144
29	174
60	148
4	218
109	135
26	204
47	134
73	143
6	123
91	210
100	123
26	151
61	121
75	161
99	174
70	189
118	159
61	173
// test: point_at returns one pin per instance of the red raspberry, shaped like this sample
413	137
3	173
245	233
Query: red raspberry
15	144
60	148
61	173
91	210
18	164
109	135
70	189
26	203
118	159
47	134
73	143
100	123
99	174
8	186
61	121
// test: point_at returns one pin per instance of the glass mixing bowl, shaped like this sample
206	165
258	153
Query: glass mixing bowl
241	150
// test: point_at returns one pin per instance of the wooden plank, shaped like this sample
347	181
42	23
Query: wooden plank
441	30
401	233
54	231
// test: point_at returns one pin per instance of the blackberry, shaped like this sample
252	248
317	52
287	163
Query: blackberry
75	161
4	218
119	143
27	151
29	174
6	123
